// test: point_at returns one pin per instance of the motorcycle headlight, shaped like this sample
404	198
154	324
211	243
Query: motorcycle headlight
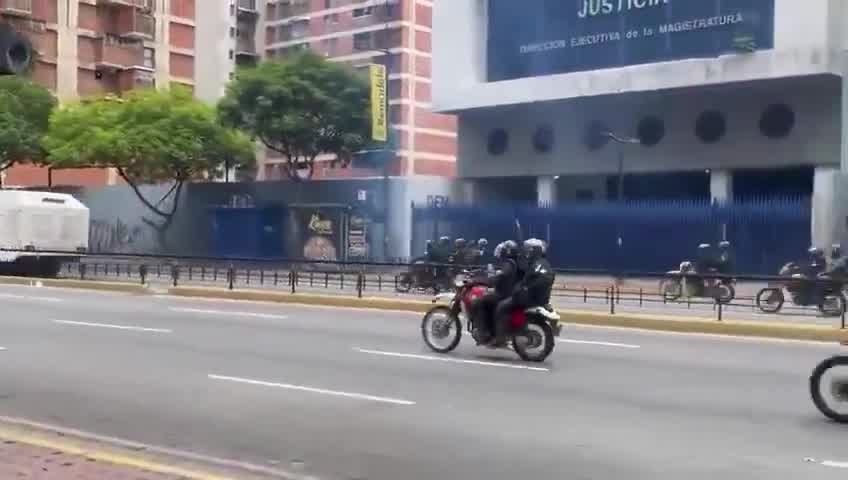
458	281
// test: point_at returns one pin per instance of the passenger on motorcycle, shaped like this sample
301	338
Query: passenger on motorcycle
818	262
536	280
726	261
503	283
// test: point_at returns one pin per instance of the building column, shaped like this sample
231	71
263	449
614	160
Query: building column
468	190
829	210
546	190
721	186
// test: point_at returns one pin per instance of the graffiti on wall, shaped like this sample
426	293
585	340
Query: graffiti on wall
116	236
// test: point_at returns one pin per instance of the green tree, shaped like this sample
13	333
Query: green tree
148	137
302	107
24	112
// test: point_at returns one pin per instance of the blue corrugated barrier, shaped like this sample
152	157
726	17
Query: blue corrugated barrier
655	235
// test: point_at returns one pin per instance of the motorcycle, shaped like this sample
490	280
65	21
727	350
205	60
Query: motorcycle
838	389
532	331
824	293
423	275
682	285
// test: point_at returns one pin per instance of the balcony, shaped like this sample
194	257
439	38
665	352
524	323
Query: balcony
16	8
146	5
136	78
294	8
247	8
135	25
114	54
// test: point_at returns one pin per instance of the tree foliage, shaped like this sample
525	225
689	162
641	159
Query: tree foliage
301	108
149	137
24	112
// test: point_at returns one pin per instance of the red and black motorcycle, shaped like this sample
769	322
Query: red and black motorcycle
532	331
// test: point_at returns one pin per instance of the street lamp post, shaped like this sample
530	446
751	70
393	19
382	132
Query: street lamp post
621	141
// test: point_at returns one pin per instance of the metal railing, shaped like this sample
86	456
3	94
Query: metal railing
385	278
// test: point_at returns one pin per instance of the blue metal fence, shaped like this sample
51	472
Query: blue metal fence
654	236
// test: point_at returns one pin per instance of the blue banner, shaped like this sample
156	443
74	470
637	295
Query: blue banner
529	38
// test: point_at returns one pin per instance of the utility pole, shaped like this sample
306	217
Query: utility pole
387	60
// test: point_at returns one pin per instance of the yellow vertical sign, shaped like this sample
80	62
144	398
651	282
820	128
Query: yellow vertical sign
379	122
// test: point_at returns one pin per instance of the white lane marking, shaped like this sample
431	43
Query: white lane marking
322	391
450	360
229	313
602	344
827	463
12	296
2	349
116	327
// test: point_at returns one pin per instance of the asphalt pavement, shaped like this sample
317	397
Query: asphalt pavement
354	394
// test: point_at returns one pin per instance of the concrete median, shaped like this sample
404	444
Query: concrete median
123	287
781	330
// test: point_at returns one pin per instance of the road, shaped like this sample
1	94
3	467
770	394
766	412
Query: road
353	394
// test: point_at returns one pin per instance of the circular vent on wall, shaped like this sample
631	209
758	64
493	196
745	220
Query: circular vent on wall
543	139
650	131
777	121
710	126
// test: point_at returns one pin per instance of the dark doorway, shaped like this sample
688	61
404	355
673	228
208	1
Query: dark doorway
789	182
661	186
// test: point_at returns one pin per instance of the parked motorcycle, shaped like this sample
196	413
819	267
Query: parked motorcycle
825	293
681	284
532	331
423	275
837	387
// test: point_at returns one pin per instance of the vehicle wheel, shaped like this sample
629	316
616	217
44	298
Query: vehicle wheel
770	300
441	329
536	342
404	284
726	294
838	389
833	304
671	289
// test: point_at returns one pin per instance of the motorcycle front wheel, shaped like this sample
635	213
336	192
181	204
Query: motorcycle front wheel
536	342
441	329
726	294
671	289
833	304
770	300
838	388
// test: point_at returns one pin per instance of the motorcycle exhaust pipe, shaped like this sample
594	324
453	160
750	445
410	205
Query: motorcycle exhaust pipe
16	53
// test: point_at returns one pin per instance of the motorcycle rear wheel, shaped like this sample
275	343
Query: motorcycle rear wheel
405	282
448	325
728	293
540	327
765	295
816	390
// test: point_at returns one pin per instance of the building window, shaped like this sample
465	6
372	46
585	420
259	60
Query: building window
232	10
363	41
543	139
362	12
231	55
331	19
650	131
330	45
232	32
150	58
498	142
710	126
777	121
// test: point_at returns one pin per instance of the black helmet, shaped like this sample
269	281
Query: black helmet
816	254
836	251
534	248
509	249
460	243
444	240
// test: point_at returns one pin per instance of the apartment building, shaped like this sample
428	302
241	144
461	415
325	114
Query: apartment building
87	47
359	32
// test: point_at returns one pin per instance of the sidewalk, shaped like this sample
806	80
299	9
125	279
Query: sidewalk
25	462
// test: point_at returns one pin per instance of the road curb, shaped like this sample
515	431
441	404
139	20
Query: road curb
133	455
791	331
123	287
303	299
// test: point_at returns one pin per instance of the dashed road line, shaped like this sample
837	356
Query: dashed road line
450	360
112	326
321	391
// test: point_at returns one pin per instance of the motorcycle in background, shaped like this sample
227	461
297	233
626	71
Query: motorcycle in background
825	293
532	331
836	387
683	283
